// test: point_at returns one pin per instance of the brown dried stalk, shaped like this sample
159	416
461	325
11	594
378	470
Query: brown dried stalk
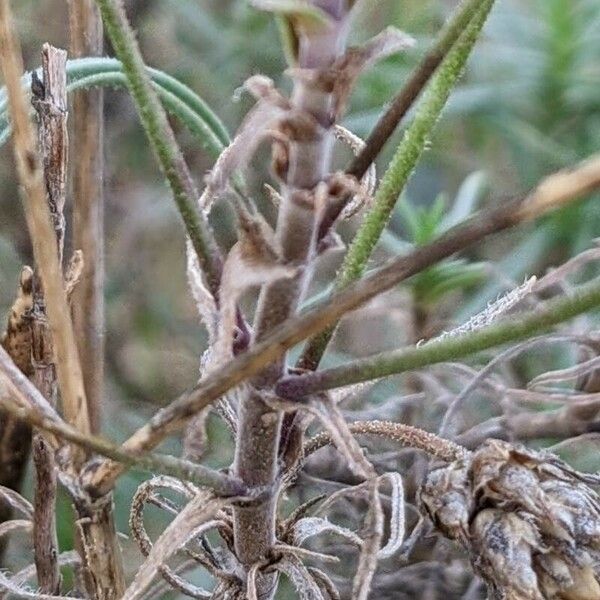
88	206
24	401
50	102
45	541
98	534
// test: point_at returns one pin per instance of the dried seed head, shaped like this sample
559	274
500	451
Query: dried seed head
529	523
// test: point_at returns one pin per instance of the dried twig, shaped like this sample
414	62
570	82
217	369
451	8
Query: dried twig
88	206
50	102
45	540
412	88
25	402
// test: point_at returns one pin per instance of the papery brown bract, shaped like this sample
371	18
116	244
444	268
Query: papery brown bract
529	523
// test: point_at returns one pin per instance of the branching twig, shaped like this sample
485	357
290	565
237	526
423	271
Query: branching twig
21	399
399	171
400	105
41	230
447	349
582	180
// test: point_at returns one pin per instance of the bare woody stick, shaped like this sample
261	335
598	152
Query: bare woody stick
41	229
45	541
23	401
104	576
554	192
50	102
88	203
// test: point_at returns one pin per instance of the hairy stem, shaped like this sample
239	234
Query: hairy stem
259	429
554	192
399	171
448	349
162	139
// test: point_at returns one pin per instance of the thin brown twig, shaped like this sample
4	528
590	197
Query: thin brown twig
45	540
402	103
22	400
49	98
88	206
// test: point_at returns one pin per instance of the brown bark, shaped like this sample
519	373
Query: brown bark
88	208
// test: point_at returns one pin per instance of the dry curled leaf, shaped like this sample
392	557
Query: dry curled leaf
530	523
339	79
17	338
252	261
197	516
300	577
309	527
273	116
364	195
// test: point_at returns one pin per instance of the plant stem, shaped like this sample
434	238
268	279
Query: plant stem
399	171
162	139
41	230
26	403
88	207
449	349
400	105
45	541
256	456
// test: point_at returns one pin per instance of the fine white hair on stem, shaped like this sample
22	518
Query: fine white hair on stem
205	301
492	312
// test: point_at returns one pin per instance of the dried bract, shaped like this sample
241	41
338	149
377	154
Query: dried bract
529	522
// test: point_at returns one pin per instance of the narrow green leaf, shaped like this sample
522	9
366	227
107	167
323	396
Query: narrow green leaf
410	150
178	99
